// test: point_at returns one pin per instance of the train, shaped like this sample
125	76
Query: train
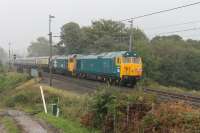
119	67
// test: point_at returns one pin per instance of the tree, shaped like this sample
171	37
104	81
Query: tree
40	48
101	36
71	38
178	61
111	28
107	44
106	35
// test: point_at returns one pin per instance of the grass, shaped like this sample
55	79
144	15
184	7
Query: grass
10	125
73	106
27	97
11	80
66	125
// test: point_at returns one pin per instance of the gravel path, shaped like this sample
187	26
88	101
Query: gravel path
2	129
26	122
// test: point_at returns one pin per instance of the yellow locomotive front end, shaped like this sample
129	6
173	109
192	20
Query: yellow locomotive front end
130	66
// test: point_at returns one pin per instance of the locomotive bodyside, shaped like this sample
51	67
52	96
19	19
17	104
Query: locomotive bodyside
60	65
124	67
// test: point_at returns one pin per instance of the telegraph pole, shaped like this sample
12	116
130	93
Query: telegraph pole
50	44
131	35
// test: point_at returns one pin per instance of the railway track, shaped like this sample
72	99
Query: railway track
164	95
82	82
90	84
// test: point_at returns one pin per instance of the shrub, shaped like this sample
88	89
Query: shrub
149	121
111	110
172	117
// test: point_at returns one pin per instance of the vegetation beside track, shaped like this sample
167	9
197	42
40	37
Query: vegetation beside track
112	111
66	125
27	98
106	109
11	80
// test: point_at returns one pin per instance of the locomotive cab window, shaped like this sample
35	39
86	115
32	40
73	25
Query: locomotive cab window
71	60
136	60
118	60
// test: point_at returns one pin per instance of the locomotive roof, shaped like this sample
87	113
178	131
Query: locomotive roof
91	56
60	57
109	55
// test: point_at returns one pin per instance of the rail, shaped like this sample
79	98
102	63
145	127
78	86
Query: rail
162	95
193	100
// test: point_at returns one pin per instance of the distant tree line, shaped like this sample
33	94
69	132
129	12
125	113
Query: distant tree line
169	60
40	47
172	61
101	36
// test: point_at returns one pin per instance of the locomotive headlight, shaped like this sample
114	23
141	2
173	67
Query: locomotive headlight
139	70
118	69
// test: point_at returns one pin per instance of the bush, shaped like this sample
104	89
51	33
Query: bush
22	97
104	102
172	117
111	110
149	121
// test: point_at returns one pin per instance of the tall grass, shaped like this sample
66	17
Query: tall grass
72	106
11	80
65	125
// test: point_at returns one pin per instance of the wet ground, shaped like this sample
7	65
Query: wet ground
2	128
26	123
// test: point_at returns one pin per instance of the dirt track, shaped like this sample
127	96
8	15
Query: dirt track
26	123
2	128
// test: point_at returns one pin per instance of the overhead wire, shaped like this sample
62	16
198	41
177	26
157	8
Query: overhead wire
172	25
168	10
162	11
178	31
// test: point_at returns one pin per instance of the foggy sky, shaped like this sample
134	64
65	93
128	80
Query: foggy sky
22	21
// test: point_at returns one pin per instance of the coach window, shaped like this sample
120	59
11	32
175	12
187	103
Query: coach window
125	60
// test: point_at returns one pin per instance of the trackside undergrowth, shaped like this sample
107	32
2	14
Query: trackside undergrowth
105	110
